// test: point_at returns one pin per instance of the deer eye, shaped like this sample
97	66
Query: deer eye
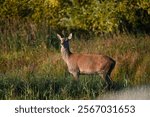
62	43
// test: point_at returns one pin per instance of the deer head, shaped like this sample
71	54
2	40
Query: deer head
65	41
65	50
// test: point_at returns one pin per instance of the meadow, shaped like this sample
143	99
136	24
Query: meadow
31	66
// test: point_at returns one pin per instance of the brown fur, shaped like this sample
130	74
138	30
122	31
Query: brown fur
86	63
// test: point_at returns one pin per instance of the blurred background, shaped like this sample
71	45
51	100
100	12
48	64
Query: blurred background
30	62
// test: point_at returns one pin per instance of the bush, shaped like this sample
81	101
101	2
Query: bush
98	16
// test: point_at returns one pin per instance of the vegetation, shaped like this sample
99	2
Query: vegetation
40	73
30	62
96	16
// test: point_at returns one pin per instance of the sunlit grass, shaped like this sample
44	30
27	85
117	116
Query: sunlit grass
34	69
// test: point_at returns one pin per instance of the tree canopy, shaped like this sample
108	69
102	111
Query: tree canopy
90	15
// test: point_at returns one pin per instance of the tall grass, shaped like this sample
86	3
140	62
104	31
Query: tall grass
31	66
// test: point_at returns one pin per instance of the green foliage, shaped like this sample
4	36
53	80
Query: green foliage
39	73
46	87
30	64
97	16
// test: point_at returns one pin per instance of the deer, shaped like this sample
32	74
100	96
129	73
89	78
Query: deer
79	63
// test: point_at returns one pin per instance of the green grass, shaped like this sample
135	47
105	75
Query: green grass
33	69
46	87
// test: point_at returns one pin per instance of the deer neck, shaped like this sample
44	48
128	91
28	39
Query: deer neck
65	52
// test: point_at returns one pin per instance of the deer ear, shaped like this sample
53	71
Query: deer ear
70	36
59	37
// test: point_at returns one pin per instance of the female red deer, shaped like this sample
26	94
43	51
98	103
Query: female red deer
86	63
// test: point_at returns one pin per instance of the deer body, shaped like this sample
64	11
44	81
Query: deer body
86	63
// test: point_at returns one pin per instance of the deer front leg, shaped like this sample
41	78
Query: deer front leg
75	75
